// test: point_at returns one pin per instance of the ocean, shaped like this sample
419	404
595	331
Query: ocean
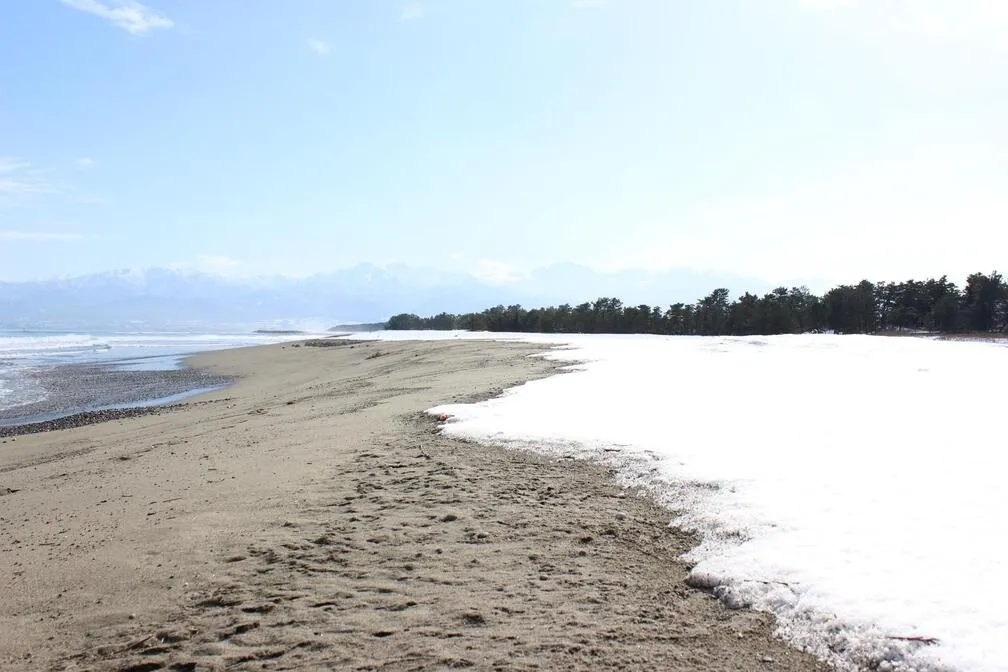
29	360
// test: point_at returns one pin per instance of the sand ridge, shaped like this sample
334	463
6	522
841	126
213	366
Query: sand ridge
311	517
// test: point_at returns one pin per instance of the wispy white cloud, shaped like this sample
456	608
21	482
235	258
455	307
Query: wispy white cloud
320	47
216	263
411	11
85	162
10	164
18	177
38	237
135	18
496	272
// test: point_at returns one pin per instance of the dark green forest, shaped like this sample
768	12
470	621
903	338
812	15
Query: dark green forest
981	306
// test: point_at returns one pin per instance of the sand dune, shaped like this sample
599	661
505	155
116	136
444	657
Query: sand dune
311	517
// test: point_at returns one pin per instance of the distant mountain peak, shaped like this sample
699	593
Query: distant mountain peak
159	298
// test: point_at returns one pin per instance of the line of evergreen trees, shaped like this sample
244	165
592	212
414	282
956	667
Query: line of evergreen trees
865	308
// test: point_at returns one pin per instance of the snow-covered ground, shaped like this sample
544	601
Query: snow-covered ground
853	486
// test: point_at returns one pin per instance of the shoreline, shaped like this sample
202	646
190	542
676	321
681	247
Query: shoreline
159	406
313	516
76	395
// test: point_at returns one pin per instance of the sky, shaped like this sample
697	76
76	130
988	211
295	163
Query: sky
787	140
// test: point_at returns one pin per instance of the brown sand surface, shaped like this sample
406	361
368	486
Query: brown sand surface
310	517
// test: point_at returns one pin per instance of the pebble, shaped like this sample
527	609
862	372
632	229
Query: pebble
70	389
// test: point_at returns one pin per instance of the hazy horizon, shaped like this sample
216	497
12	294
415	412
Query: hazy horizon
158	297
793	141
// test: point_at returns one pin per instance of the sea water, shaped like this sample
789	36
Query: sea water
24	353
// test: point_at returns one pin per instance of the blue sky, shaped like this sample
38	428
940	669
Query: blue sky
789	140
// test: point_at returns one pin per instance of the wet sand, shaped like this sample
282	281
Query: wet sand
83	394
311	517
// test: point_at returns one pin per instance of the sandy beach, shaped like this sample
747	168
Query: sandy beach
312	517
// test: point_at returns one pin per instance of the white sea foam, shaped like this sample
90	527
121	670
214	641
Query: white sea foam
87	347
23	352
853	486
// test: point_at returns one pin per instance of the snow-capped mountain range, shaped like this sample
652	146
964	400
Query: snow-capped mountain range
159	298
